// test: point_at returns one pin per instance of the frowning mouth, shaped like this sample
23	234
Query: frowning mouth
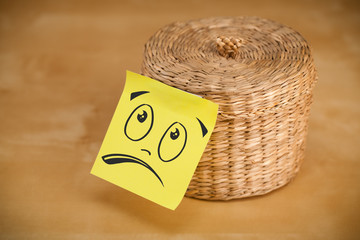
123	158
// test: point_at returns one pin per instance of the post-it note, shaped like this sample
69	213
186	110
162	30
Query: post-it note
155	140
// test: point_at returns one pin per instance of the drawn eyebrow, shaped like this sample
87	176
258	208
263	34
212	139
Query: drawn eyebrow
136	94
203	128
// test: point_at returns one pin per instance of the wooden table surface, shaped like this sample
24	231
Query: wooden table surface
62	69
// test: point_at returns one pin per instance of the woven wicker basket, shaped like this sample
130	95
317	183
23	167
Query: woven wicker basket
261	74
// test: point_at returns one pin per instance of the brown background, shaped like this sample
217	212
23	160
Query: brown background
62	68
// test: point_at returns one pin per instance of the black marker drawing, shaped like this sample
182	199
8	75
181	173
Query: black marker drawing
145	150
146	114
171	144
177	130
123	158
136	94
203	128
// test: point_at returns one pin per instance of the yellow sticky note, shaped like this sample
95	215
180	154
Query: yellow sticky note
155	140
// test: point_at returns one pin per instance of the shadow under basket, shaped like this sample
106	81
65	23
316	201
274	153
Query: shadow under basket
262	75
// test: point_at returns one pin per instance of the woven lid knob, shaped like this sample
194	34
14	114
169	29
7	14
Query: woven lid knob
228	46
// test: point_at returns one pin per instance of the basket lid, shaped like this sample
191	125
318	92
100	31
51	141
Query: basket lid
222	57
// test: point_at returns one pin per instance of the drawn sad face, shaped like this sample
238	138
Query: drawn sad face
170	145
155	140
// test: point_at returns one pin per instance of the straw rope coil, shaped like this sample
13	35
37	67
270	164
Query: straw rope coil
261	74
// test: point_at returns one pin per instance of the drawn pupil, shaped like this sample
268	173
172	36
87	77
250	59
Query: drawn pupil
174	135
142	117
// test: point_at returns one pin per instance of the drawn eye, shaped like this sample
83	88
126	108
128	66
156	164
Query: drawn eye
173	142
139	123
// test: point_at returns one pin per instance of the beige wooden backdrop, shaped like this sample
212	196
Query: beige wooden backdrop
62	68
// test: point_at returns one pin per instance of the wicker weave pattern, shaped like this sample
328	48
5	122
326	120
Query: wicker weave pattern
264	92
